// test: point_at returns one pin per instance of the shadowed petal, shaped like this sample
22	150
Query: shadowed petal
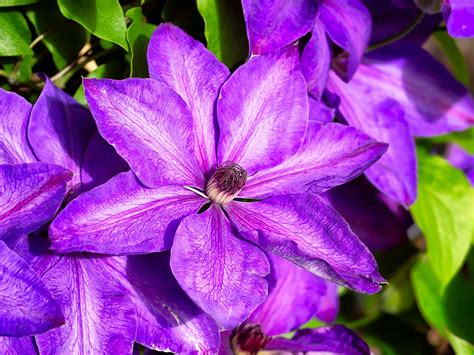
150	127
326	340
433	101
100	315
263	111
26	305
122	217
30	195
274	24
319	112
60	129
167	318
459	16
184	64
220	272
395	174
331	155
379	224
307	232
349	25
295	295
462	160
14	116
101	162
17	346
316	60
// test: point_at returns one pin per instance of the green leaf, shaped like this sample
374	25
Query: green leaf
138	37
16	2
64	39
398	296
15	36
443	211
427	291
224	30
465	139
113	70
103	18
456	59
458	302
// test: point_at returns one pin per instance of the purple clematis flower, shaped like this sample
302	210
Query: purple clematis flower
295	296
394	94
200	144
108	302
459	17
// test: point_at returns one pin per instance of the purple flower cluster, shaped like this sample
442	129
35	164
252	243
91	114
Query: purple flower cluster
194	211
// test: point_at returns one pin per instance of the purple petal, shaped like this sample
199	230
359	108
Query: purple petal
150	127
395	174
433	101
274	24
17	346
295	295
30	195
319	112
334	340
220	272
101	162
122	217
462	160
263	111
26	305
309	233
348	24
14	116
167	318
316	60
379	225
60	130
459	16
331	155
184	64
100	315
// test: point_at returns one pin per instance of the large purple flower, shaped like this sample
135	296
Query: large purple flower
393	94
294	297
108	303
186	195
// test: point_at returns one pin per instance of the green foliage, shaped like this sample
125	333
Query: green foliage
225	30
15	36
64	39
138	37
443	211
457	64
16	2
104	18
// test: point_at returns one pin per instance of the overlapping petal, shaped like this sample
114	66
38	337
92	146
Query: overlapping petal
395	173
149	125
316	60
167	318
348	24
184	64
60	129
334	340
14	116
295	295
331	155
30	195
433	101
274	24
26	305
15	346
220	272
263	111
459	16
307	232
122	217
100	315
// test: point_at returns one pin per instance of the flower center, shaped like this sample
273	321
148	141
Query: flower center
249	338
226	183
